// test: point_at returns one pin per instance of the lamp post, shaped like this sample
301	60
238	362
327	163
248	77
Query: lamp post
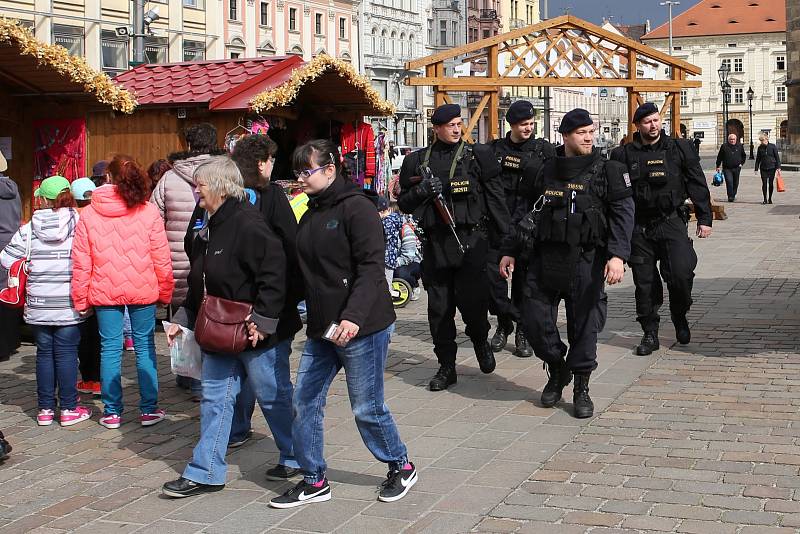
669	4
750	94
723	72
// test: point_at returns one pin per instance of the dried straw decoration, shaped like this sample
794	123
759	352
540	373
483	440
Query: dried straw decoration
74	68
285	94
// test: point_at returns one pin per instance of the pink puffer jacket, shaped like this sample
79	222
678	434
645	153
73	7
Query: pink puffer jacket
120	255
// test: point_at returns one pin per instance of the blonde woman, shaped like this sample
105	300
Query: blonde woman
768	161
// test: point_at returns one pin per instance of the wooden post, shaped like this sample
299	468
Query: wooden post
633	94
438	95
492	68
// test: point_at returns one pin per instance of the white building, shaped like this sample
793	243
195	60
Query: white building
749	36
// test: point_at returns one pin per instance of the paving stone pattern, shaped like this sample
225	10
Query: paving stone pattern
694	439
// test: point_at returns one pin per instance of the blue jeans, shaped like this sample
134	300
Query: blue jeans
57	365
143	323
363	359
223	375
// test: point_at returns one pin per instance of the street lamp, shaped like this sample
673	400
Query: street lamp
723	72
669	4
750	94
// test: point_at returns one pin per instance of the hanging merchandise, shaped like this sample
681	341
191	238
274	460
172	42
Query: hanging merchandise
380	182
358	150
259	127
59	149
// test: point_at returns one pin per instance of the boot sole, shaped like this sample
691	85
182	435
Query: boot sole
549	404
584	415
641	352
431	388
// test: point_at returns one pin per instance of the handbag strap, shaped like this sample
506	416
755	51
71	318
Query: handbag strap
28	244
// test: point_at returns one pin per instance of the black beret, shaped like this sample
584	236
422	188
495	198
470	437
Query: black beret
519	111
575	119
445	113
648	108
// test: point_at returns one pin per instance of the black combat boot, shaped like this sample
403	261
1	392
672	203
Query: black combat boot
444	378
648	344
559	377
485	356
682	332
524	349
500	337
581	402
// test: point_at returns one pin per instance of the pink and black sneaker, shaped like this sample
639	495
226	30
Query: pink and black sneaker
149	419
73	417
45	417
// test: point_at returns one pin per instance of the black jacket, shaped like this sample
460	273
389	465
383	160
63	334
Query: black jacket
731	156
767	157
340	249
682	154
243	260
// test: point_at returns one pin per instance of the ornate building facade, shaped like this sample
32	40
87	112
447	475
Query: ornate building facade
792	149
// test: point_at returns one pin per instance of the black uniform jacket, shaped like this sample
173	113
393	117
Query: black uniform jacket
731	156
442	154
618	197
243	260
340	248
681	151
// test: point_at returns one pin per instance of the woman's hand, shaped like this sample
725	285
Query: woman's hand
344	333
173	332
254	335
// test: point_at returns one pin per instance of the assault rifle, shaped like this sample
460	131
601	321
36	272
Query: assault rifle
440	205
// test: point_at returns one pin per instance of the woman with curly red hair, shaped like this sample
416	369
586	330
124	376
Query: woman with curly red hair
121	258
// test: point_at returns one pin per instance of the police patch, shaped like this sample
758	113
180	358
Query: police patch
627	178
459	186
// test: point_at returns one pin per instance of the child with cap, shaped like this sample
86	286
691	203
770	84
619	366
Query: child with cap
47	241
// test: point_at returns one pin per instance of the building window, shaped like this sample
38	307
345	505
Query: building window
383	43
342	28
235	55
727	61
411	45
194	50
486	34
114	52
430	31
233	10
684	98
292	19
738	95
318	23
70	37
392	42
374	40
155	49
780	63
780	95
454	26
738	64
196	4
381	86
265	13
442	33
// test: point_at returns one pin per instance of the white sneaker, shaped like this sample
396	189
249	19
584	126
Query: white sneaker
416	293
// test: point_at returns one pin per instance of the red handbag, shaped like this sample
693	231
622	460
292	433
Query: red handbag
221	326
13	295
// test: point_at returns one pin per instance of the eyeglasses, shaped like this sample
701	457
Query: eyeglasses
306	174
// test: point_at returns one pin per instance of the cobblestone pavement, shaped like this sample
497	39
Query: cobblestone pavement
701	438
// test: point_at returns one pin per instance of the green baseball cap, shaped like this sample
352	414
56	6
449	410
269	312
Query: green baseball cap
51	187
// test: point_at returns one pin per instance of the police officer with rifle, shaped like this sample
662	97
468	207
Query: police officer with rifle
453	190
665	172
521	156
578	224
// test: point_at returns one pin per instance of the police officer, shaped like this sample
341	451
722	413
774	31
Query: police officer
665	172
579	226
521	156
463	182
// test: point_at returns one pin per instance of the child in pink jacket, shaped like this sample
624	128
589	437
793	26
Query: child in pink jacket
121	258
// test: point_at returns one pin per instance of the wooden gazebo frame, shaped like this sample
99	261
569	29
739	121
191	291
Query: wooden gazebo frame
560	52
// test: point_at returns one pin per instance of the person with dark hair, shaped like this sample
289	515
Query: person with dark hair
350	319
254	155
156	171
47	241
174	197
10	215
731	157
121	258
768	161
99	173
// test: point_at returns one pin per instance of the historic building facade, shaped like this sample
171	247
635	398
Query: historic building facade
792	149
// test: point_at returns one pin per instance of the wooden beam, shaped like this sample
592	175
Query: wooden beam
633	98
483	83
567	21
667	104
494	119
475	117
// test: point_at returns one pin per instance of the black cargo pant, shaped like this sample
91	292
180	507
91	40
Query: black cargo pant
586	305
665	247
464	288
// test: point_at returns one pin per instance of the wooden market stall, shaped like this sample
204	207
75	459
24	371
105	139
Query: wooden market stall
46	100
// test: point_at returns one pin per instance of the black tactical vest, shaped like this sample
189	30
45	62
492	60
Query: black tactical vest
515	165
658	184
462	189
574	210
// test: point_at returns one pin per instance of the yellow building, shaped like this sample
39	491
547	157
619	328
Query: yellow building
95	29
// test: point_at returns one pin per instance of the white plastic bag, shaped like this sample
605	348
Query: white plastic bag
186	358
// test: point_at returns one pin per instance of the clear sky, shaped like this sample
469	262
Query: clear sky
623	11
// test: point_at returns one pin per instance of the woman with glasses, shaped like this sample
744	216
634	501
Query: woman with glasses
350	318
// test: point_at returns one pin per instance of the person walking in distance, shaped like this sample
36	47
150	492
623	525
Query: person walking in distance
579	228
731	157
453	180
521	157
768	161
665	172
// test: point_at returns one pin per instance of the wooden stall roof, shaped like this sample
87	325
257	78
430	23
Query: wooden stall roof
264	85
31	68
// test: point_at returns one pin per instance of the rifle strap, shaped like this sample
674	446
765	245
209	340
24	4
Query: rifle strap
427	159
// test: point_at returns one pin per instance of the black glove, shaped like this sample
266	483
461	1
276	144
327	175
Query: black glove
435	184
429	187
